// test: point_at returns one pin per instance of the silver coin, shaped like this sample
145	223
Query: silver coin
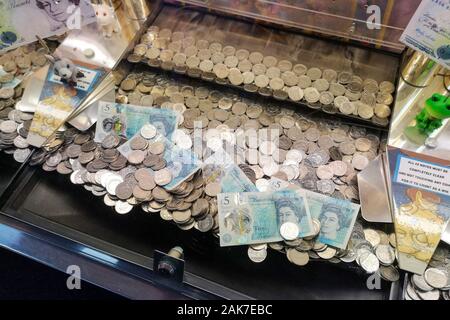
385	254
245	65
382	111
242	54
270	61
20	155
228	50
386	87
206	65
429	295
312	95
330	75
369	262
389	273
289	231
259	69
314	73
284	65
365	111
8	126
299	69
262	81
215	47
296	257
321	85
276	84
204	54
360	162
436	278
235	76
420	283
231	61
304	81
256	256
122	207
255	57
326	98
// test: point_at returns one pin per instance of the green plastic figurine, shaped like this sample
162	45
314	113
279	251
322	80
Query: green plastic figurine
437	109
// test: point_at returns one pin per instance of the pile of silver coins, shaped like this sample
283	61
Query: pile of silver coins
328	89
123	183
14	126
328	156
318	154
15	65
372	250
434	284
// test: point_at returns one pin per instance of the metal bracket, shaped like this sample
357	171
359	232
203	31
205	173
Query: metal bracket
170	265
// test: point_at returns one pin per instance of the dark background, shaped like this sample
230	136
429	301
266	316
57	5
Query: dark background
23	278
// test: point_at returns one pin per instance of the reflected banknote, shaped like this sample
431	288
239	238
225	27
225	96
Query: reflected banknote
182	163
255	217
126	120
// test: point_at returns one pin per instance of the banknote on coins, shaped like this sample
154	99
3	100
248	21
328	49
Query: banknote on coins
181	163
235	180
214	167
220	168
256	217
126	120
336	216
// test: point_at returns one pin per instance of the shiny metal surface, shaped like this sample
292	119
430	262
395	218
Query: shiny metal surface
373	191
107	51
32	92
418	70
137	9
446	234
86	115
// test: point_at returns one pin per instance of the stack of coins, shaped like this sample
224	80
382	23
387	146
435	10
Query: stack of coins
332	91
14	124
434	283
124	183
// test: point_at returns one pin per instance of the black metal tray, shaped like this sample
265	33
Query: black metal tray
49	209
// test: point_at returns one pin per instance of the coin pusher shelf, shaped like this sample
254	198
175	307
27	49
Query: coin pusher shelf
43	218
276	37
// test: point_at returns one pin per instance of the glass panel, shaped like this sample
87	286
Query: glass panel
346	19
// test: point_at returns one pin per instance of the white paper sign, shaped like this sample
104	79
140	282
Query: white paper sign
423	175
429	30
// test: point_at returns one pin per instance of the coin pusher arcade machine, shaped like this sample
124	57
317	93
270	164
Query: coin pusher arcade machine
43	217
